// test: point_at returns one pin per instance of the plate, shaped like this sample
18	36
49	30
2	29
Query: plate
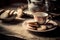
25	26
42	30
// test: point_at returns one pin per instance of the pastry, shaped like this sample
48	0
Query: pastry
42	28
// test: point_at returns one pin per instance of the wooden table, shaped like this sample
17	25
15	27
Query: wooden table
18	31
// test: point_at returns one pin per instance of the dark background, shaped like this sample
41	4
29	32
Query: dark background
53	4
7	2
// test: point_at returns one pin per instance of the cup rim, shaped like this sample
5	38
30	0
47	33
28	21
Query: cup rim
40	14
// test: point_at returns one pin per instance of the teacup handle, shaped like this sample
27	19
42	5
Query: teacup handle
49	18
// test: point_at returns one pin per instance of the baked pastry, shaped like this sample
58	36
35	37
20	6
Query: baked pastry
33	25
42	28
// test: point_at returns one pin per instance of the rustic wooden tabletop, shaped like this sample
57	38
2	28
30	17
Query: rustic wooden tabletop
17	30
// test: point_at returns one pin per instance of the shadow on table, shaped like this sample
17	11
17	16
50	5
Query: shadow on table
56	18
27	16
12	22
5	37
54	33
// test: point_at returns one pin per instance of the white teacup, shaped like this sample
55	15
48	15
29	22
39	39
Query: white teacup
40	17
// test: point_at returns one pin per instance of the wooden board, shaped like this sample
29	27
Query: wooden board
20	32
5	14
19	12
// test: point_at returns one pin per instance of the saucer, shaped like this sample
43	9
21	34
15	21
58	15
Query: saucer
25	25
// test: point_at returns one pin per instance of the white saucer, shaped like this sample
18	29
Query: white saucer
25	26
